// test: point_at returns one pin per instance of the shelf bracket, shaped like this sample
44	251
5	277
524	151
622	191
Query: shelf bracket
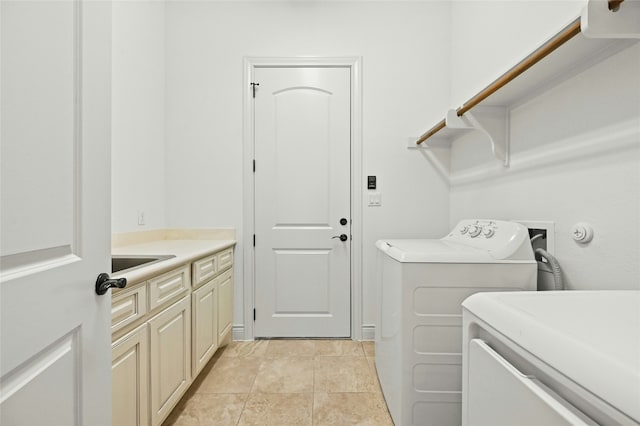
597	21
433	141
493	122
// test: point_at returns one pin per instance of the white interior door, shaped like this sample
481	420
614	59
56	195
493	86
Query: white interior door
302	191
55	203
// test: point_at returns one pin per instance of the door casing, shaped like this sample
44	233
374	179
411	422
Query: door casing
354	64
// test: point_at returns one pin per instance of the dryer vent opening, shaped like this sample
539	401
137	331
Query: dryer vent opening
549	272
538	238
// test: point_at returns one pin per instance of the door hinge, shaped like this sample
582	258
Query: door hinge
253	87
254	240
254	314
254	166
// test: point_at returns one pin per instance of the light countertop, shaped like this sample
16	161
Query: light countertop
184	250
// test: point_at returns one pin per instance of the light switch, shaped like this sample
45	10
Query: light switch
375	199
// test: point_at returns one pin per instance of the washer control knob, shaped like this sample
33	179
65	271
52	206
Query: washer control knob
488	232
474	231
464	230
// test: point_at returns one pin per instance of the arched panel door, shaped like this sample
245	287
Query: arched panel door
302	202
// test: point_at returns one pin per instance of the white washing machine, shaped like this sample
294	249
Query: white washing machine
422	284
552	358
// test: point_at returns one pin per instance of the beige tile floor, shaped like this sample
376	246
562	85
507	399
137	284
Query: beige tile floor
286	382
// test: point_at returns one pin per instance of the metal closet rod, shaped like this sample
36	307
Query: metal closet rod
558	40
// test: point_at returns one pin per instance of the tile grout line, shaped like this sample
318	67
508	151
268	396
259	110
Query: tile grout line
249	394
316	357
313	393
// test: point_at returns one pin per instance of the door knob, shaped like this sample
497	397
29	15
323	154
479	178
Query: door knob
343	221
104	283
343	237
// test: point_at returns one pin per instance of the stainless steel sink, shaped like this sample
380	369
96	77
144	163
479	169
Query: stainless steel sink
126	263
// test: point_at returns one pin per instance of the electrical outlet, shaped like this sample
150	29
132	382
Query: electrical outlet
375	200
141	218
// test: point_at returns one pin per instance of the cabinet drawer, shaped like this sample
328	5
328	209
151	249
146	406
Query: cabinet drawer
225	259
204	269
128	307
168	286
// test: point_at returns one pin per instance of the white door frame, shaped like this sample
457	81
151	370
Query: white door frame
354	64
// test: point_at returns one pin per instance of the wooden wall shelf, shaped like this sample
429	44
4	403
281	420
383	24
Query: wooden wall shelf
591	38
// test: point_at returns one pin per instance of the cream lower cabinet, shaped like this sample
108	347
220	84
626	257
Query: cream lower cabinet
212	302
204	305
165	331
170	357
225	305
129	369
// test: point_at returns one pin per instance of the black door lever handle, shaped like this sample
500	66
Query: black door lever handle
104	283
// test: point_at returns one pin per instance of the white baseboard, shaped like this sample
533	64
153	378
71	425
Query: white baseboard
368	332
238	332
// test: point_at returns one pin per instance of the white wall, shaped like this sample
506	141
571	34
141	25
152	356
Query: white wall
410	77
138	89
404	46
575	157
490	36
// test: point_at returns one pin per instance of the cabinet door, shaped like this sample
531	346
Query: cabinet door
129	366
225	304
204	308
170	358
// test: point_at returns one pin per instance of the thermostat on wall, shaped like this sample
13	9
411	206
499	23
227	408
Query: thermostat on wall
371	182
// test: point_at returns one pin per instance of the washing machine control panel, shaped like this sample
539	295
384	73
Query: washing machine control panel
501	238
486	229
488	232
475	230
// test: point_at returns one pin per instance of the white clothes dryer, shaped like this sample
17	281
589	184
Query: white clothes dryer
552	358
418	349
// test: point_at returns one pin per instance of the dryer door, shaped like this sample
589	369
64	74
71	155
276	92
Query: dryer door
499	394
